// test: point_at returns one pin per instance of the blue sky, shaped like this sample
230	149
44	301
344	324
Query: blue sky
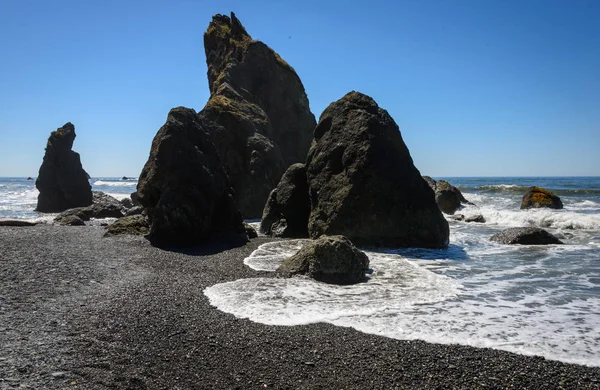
478	88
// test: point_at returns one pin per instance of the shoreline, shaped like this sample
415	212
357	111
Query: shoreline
82	311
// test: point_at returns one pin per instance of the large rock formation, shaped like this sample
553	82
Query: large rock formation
287	209
448	198
258	114
363	184
525	236
329	259
62	182
537	197
184	187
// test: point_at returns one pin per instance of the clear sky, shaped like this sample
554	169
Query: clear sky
478	87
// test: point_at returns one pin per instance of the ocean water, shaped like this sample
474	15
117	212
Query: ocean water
18	196
525	299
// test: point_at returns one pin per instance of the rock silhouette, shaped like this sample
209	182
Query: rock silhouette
62	181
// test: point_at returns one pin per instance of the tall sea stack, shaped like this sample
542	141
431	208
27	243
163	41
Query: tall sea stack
363	183
258	113
62	181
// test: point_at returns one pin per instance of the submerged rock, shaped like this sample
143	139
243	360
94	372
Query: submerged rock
525	236
537	197
329	259
134	225
62	181
448	197
363	183
258	114
184	187
288	207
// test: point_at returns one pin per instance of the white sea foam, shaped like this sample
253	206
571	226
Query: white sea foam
128	183
118	195
533	301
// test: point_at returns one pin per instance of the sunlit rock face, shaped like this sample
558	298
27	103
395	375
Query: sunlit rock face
363	183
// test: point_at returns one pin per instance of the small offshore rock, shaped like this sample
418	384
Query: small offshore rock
329	259
525	236
537	197
477	218
448	198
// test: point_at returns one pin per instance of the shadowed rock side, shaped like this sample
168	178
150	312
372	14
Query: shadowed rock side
537	197
329	259
62	182
258	114
184	187
287	209
363	184
448	198
525	236
103	206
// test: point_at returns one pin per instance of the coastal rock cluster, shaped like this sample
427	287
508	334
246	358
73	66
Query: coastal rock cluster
62	181
448	198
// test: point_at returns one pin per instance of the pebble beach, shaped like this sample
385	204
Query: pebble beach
83	311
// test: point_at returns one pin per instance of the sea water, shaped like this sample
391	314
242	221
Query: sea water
18	196
532	300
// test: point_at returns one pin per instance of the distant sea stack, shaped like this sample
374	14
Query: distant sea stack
363	183
184	187
62	181
258	113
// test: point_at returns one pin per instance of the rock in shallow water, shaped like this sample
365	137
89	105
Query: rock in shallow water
525	236
329	259
363	183
448	198
537	197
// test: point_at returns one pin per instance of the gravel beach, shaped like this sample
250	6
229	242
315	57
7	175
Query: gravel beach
81	311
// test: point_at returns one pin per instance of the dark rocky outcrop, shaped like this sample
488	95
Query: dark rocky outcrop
329	259
258	114
104	206
62	182
250	231
363	183
127	203
134	225
288	207
184	187
525	236
30	178
16	222
134	199
537	197
448	198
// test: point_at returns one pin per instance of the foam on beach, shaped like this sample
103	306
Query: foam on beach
525	306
